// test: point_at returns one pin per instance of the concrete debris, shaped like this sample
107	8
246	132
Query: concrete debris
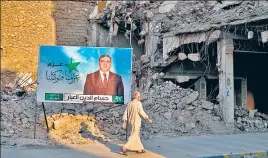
126	15
168	115
249	121
182	56
189	99
250	34
17	121
149	14
157	76
161	74
144	59
252	113
174	110
207	105
194	56
264	36
167	6
182	79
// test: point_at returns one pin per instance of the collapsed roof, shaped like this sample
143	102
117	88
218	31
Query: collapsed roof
187	16
196	16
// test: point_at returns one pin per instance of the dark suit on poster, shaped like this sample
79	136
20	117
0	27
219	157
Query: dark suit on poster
95	86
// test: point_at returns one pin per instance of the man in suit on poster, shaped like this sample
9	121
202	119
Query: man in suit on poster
103	81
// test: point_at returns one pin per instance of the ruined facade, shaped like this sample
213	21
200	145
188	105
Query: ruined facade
194	44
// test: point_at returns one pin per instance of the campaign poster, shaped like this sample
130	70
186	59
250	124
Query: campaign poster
69	74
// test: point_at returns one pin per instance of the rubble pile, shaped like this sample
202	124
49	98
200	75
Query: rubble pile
250	120
110	121
18	121
175	112
68	123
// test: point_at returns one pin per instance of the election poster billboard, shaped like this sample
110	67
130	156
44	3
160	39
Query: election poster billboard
68	74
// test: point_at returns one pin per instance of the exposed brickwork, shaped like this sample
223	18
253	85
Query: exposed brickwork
72	25
25	26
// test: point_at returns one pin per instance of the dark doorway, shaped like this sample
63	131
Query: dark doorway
254	66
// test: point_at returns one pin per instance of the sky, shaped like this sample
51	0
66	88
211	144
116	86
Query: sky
88	62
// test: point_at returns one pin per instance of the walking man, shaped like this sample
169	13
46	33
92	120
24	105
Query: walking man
132	114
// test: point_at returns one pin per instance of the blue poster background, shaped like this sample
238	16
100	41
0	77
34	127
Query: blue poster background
63	69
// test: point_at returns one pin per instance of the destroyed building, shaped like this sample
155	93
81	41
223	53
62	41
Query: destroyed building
198	64
217	49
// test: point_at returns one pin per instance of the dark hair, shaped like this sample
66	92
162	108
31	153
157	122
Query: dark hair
105	55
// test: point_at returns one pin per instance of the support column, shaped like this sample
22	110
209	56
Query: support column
152	38
94	40
244	92
226	80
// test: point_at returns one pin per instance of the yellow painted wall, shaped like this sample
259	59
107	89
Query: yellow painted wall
24	26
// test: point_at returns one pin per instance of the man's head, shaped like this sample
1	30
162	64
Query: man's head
137	95
105	62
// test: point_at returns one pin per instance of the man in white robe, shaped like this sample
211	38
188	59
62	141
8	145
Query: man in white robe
132	114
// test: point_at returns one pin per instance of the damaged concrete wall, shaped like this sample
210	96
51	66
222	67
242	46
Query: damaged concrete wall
99	39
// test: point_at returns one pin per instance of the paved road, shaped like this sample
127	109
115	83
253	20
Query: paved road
199	146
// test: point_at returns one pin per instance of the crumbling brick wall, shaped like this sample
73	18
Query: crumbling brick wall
24	26
72	25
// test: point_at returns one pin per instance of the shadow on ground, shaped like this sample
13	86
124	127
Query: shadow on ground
106	149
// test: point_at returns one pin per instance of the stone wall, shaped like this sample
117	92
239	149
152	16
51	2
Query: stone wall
72	25
25	26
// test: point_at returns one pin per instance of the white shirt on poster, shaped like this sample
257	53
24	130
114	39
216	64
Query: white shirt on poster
102	76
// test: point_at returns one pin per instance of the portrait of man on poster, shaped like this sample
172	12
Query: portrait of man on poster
103	81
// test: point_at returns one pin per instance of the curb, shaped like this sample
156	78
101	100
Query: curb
259	154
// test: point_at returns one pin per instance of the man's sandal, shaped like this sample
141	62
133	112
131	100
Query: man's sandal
142	151
124	152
